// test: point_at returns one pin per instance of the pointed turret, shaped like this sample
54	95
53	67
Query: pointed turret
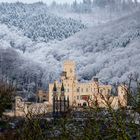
54	89
62	89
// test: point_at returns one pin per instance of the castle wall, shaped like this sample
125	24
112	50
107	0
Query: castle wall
23	108
78	93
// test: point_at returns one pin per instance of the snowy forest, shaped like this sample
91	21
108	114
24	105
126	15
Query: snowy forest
101	36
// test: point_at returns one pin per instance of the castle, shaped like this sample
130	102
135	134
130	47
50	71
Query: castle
87	94
92	94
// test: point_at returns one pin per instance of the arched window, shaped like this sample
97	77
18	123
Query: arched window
84	104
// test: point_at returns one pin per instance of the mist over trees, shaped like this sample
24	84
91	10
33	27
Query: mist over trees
25	76
88	6
19	70
95	12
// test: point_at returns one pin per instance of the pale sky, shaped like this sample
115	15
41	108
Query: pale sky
45	1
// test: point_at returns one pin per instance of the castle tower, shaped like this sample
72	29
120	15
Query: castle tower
69	70
122	95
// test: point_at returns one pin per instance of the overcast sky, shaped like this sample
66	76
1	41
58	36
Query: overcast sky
46	1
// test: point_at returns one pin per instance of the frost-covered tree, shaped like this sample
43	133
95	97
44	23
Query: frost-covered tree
75	6
101	3
138	97
37	22
87	6
27	76
7	93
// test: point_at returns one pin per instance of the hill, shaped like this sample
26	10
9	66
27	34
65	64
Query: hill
110	52
37	23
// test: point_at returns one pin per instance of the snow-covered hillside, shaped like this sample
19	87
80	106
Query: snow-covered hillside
110	52
15	68
37	22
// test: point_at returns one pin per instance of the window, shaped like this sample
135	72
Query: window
82	90
67	90
78	89
77	97
86	89
101	91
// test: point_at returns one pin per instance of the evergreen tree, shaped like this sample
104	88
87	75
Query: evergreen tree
138	98
136	2
101	3
75	6
87	6
53	4
6	97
